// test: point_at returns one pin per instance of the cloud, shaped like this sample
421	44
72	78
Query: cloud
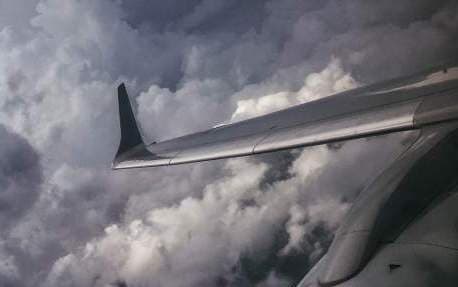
70	221
9	273
330	81
204	239
20	177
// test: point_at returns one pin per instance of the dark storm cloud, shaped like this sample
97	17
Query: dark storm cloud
20	177
195	16
189	65
21	180
303	32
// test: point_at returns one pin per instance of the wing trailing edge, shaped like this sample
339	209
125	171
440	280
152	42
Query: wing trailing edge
409	103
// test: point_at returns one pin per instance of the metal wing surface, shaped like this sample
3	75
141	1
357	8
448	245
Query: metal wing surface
403	104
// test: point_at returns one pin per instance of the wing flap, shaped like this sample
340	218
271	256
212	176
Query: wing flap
385	119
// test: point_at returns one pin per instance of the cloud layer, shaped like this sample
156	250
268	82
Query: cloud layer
68	220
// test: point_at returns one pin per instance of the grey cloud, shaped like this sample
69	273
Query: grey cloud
20	177
80	224
21	180
195	16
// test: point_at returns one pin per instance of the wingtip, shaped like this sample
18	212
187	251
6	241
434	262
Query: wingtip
130	134
122	89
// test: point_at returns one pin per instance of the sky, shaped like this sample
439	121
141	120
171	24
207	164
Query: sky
67	219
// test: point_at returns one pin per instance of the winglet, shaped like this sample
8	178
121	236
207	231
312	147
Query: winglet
130	134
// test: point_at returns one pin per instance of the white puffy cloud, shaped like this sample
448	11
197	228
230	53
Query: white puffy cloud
205	234
333	79
171	114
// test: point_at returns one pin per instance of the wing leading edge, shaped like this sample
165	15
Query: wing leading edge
404	104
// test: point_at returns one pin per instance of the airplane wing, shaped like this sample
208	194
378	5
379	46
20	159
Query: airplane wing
404	104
